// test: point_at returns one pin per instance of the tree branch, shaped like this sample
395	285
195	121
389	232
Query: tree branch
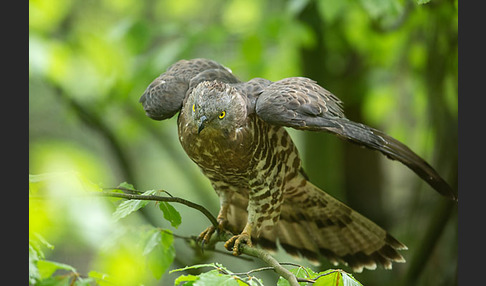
265	256
200	208
251	251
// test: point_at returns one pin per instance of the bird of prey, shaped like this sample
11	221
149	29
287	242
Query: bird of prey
235	132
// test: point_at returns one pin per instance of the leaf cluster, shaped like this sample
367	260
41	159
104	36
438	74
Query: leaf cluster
158	250
129	206
220	275
155	247
41	271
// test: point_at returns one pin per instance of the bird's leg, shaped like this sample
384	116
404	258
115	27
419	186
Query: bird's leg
225	199
205	236
263	210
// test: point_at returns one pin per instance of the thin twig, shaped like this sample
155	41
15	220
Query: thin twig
254	270
192	238
268	268
190	204
125	190
325	274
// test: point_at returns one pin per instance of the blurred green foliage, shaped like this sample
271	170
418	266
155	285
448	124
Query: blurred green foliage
393	63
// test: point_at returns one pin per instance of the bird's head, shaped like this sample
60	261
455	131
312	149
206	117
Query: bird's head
217	108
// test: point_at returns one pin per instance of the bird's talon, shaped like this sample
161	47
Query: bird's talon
206	235
235	242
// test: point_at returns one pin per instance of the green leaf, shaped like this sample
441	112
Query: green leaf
185	278
100	278
44	241
218	276
35	251
304	272
330	279
300	272
349	280
170	214
126	185
160	252
80	281
33	271
334	277
240	282
36	254
64	280
130	206
422	1
47	268
253	281
213	277
127	207
152	242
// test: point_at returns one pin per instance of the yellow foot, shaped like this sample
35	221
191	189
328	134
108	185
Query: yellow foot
237	240
206	235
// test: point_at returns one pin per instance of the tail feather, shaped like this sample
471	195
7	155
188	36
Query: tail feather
314	225
294	240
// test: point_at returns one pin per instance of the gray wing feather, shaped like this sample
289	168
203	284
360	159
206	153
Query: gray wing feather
252	89
302	104
163	98
292	101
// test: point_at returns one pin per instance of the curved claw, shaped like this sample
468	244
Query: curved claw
206	235
236	241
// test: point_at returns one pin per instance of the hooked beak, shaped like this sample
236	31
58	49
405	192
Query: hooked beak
201	126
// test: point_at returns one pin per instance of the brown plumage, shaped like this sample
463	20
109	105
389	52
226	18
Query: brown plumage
234	131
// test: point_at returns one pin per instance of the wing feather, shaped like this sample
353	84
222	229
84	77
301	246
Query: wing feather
164	97
301	103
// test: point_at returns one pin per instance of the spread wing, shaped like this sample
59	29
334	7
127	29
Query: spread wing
163	98
301	103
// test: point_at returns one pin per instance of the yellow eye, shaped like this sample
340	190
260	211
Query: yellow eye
193	108
222	115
